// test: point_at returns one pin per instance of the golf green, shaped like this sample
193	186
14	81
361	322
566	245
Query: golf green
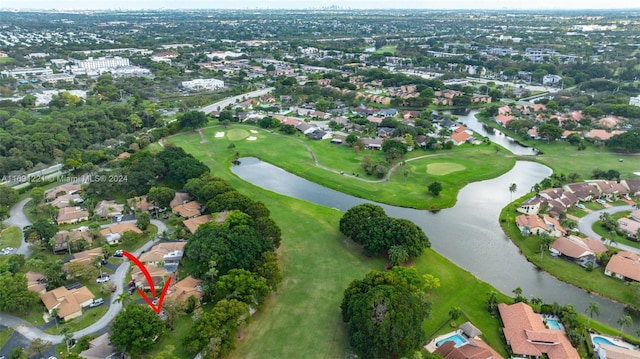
444	168
237	134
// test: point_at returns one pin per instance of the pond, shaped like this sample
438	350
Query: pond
468	233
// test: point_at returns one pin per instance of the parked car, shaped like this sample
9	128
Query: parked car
104	277
118	253
96	302
579	205
601	201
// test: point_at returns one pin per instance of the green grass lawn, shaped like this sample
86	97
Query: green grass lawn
302	320
565	270
387	48
87	318
471	163
5	334
6	60
605	233
563	157
10	237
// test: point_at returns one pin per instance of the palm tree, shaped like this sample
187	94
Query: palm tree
68	335
545	241
124	298
624	321
492	301
54	313
455	313
592	309
513	188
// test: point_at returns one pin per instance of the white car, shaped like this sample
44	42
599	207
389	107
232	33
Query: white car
601	201
96	302
103	278
578	205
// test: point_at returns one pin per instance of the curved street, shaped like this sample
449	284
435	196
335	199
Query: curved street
585	225
19	219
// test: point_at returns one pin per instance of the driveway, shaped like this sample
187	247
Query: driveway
585	223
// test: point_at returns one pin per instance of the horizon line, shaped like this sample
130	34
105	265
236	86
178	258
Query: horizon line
327	8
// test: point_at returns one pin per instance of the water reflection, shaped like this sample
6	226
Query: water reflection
469	233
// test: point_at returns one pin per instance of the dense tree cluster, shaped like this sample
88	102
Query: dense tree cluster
171	167
384	313
136	329
626	142
369	225
15	297
8	197
235	259
102	129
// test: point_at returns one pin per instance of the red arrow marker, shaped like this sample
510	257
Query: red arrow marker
151	285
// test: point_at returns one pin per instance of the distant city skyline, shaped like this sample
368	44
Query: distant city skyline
296	4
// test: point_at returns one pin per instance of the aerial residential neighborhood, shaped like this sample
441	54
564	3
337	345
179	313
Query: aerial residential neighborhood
336	180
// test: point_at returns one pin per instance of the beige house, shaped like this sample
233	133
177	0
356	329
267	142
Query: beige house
188	210
86	257
65	189
157	274
68	302
66	200
192	224
113	233
184	289
63	238
625	266
100	348
165	252
140	204
179	198
71	215
108	209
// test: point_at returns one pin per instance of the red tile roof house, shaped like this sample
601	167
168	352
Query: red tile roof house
531	224
630	227
579	250
609	189
530	206
528	336
188	210
504	119
582	190
71	215
68	302
602	134
625	266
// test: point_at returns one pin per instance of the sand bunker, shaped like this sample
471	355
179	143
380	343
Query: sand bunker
252	138
254	131
219	134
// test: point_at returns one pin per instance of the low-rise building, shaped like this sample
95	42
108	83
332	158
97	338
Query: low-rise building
71	215
113	233
100	348
188	210
165	252
108	209
64	238
580	250
528	336
624	265
192	224
68	302
184	289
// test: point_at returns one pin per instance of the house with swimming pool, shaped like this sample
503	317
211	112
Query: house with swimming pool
529	337
462	343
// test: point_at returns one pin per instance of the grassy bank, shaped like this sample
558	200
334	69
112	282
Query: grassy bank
467	164
563	157
302	320
565	270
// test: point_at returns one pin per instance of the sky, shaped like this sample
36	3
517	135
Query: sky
305	4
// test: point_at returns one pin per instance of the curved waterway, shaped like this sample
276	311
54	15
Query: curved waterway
468	234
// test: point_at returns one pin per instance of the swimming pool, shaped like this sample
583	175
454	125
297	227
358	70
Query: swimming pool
456	338
602	340
553	324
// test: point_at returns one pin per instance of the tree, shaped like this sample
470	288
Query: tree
143	220
455	313
435	188
124	298
625	321
15	297
550	131
593	309
136	329
54	314
385	321
38	346
398	255
192	119
512	189
67	335
353	221
18	353
215	333
172	309
161	196
351	139
393	149
242	285
492	301
268	269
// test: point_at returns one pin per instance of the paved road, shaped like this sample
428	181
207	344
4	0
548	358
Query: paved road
585	223
231	100
18	219
31	332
